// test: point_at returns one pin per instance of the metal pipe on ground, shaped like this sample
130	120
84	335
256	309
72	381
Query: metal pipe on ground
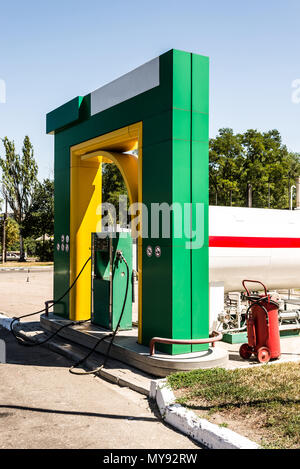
215	337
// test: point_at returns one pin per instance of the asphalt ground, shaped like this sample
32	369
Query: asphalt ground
43	406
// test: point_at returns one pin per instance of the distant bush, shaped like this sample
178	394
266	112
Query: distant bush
30	245
44	251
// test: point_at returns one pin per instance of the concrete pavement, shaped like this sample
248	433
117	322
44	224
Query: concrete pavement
43	406
23	292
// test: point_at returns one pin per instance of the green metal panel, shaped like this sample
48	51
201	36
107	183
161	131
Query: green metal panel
181	191
157	272
181	80
200	83
235	337
181	194
101	314
64	115
200	127
200	190
157	180
101	298
181	126
181	272
181	298
122	242
157	294
157	128
61	231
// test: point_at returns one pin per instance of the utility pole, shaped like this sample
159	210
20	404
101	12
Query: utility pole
249	195
289	190
297	193
291	197
4	233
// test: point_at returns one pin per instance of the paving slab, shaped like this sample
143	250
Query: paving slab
23	291
290	352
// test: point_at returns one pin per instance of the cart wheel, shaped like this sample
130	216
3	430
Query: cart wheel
245	351
263	355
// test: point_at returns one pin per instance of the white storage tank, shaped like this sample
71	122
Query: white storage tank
253	243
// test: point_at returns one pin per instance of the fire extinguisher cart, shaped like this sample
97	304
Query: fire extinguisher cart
262	326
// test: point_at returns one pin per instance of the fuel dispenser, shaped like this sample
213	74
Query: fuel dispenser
109	279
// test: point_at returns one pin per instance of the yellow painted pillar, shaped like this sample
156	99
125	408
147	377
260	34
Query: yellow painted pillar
86	196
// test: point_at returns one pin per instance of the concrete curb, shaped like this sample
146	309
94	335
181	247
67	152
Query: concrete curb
36	268
208	434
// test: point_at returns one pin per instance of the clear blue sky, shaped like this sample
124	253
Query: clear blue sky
52	51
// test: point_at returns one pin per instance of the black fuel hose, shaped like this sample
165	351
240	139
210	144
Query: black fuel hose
257	301
120	258
30	343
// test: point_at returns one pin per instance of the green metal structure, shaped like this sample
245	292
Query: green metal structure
109	279
170	96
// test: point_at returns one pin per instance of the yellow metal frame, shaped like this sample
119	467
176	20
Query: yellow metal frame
127	164
86	161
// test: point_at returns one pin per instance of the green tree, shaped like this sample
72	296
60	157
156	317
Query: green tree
113	186
39	220
264	169
251	169
225	160
19	178
12	233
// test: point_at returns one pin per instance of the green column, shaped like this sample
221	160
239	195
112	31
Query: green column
175	170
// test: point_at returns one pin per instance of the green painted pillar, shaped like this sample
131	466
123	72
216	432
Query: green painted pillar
175	170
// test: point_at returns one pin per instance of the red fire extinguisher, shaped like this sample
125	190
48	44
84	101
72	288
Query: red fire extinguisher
262	326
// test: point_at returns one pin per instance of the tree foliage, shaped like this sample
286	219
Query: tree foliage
19	178
39	220
38	225
113	186
12	233
238	163
225	160
253	159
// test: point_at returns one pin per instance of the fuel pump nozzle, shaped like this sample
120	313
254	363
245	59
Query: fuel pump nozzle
119	255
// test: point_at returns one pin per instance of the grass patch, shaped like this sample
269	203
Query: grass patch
262	403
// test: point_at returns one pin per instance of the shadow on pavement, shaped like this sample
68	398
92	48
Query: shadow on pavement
73	412
17	354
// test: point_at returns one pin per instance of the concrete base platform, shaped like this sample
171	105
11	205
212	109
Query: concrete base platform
127	350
